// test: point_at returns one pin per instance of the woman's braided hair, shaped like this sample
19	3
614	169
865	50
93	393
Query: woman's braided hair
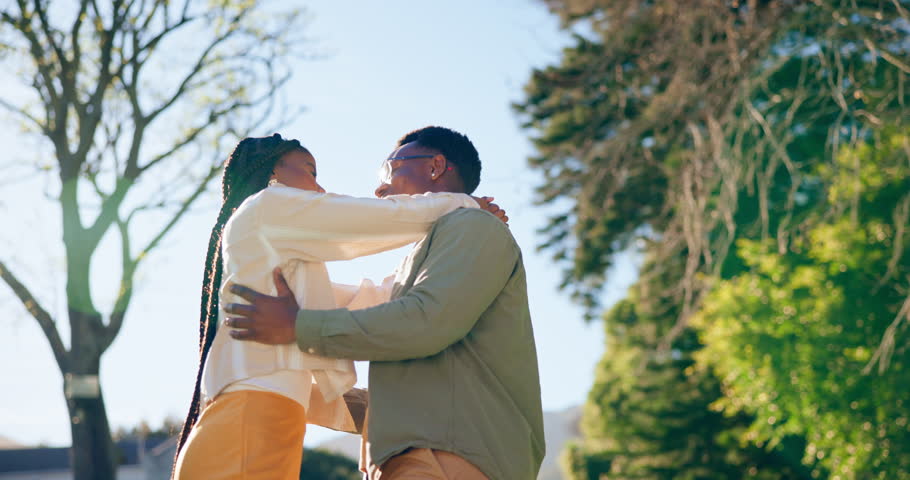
246	172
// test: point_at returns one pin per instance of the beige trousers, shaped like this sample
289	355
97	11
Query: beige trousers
426	464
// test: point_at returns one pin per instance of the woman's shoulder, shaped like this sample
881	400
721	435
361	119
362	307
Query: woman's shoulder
247	215
273	194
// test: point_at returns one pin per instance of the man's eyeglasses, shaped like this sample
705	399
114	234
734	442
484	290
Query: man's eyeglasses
385	171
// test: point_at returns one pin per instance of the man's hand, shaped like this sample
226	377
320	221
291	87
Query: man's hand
486	203
266	319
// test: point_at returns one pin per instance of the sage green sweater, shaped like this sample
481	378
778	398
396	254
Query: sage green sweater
453	364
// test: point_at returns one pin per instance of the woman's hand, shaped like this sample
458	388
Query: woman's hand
486	203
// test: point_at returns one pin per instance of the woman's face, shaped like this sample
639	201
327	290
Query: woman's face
297	169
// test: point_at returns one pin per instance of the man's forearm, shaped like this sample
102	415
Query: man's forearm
456	283
398	330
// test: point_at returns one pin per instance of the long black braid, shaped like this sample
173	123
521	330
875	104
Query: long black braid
246	172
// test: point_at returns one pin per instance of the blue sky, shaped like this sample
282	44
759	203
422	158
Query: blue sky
387	68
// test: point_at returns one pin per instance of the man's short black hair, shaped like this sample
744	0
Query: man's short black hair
456	147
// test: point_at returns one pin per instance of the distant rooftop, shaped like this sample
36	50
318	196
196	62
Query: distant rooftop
9	443
37	459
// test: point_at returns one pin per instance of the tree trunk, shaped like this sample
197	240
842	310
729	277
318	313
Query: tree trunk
93	454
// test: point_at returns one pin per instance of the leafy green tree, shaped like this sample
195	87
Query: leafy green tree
137	103
792	335
702	121
705	128
651	413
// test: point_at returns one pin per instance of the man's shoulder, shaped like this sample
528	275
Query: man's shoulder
474	221
471	217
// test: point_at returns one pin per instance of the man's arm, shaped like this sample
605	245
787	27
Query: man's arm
471	256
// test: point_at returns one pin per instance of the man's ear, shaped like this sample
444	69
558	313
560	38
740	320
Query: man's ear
438	166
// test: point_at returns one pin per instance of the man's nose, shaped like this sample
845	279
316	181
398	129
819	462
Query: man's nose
381	189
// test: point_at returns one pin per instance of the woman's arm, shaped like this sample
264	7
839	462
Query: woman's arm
325	227
365	295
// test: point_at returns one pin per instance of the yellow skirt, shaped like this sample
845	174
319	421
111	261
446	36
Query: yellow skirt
245	435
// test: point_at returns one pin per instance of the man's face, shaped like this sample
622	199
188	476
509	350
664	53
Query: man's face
407	171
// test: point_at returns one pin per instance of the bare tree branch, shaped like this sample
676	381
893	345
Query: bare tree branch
130	264
49	35
213	117
885	349
132	170
197	68
886	55
75	45
901	217
125	290
24	114
139	48
180	213
91	111
54	108
45	321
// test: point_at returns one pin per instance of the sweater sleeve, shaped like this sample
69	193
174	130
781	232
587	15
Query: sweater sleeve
367	294
470	259
325	227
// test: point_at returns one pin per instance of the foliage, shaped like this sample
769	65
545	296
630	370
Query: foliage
697	122
138	103
168	428
758	152
792	335
322	465
649	413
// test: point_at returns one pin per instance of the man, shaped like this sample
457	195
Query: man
454	386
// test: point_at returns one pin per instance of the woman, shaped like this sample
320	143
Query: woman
252	402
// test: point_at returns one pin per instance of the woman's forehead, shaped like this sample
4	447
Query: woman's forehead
299	158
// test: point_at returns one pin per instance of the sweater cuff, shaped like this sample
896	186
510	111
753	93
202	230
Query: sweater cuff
308	329
470	202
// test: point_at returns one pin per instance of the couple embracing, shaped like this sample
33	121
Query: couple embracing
454	391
